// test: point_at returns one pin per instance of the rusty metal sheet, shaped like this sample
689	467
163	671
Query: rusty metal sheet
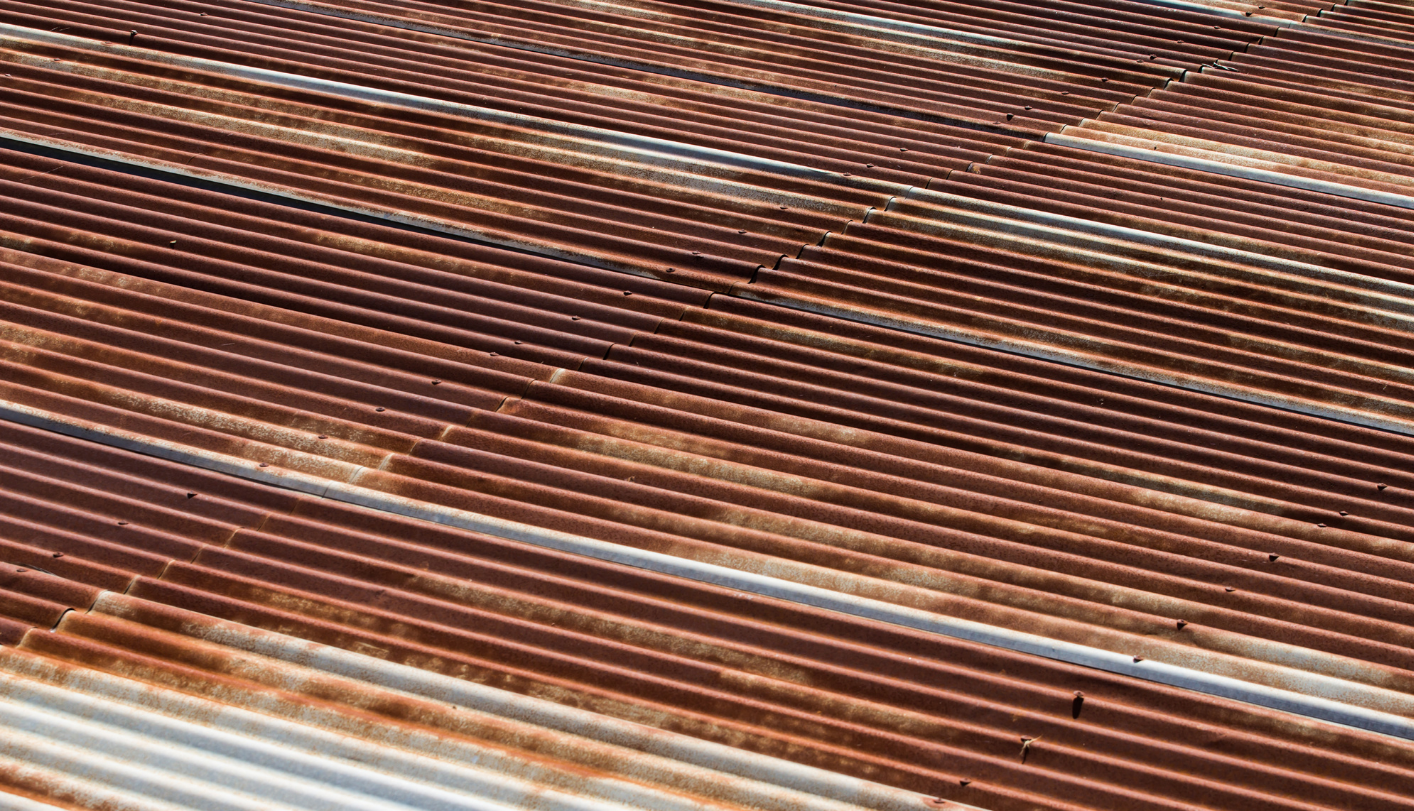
594	405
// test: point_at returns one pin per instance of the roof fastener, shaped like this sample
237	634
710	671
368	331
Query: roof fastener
58	554
1272	557
1076	704
265	464
1026	744
574	318
379	408
132	35
741	231
1344	513
1382	486
518	343
1181	624
436	382
1230	589
1321	525
868	166
323	436
1139	658
122	523
962	781
191	495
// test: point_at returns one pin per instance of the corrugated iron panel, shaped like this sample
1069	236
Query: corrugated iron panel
771	677
812	133
596	320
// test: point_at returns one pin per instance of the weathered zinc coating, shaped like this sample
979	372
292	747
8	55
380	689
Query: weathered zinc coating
755	404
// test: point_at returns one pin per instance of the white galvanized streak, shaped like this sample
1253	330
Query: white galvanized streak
652	150
642	148
320	760
918	42
1045	226
14	802
1305	693
658	756
1231	169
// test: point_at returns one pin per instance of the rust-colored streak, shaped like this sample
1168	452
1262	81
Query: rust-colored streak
1085	320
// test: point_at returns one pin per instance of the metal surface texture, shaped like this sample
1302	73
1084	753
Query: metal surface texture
740	404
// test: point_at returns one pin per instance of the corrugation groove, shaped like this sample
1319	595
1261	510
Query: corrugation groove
1118	360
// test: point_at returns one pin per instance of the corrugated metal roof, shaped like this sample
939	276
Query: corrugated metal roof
766	399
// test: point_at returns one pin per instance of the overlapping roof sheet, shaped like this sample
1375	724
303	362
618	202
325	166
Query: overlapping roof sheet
752	404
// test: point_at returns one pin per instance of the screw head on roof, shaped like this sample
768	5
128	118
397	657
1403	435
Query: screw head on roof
1229	589
380	408
436	382
1181	624
191	495
518	343
962	781
1381	487
122	523
1272	557
1139	658
323	436
58	554
1343	513
265	464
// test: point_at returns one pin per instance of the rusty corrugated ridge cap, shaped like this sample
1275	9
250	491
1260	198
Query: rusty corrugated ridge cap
1311	694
